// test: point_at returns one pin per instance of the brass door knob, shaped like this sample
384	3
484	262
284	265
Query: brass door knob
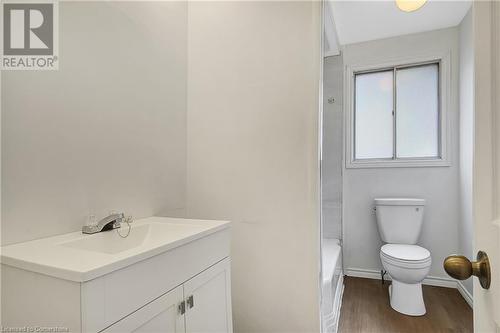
461	268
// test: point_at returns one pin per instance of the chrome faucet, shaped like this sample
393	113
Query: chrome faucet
108	223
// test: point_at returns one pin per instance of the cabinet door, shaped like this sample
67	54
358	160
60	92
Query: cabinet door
160	316
208	300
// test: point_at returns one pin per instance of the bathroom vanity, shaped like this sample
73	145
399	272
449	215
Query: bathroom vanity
168	275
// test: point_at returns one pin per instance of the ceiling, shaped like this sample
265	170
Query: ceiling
359	21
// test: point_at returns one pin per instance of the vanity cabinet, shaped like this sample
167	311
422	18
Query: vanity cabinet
161	315
208	301
201	304
177	282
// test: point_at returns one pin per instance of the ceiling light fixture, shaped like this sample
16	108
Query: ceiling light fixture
410	5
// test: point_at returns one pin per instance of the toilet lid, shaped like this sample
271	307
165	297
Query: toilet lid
405	252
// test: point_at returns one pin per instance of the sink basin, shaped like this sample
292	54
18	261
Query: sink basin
111	242
79	257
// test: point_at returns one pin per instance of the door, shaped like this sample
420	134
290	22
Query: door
486	174
208	300
161	315
487	159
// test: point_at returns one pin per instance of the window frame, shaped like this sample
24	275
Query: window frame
443	61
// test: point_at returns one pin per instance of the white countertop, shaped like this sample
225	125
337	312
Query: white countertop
79	257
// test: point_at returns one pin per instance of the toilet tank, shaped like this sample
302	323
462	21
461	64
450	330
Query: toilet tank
399	220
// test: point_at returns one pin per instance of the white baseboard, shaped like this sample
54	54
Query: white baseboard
373	274
430	281
465	293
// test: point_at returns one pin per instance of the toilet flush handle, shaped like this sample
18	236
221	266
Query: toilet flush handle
461	268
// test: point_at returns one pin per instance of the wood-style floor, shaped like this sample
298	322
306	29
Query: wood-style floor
366	308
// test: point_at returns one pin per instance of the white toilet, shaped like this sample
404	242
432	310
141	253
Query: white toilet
399	223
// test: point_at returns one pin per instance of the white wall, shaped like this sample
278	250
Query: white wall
331	165
253	79
466	84
438	185
107	130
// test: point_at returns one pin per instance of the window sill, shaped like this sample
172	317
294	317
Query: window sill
373	164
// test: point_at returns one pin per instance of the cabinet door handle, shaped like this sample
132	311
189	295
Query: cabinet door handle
182	307
190	301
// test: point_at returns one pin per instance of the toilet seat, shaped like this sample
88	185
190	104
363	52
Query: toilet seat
404	255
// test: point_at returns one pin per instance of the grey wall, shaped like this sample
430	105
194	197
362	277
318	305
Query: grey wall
254	73
107	130
331	164
466	86
438	185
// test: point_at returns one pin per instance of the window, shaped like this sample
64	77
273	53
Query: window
397	116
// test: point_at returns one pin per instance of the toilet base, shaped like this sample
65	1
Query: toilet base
407	298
